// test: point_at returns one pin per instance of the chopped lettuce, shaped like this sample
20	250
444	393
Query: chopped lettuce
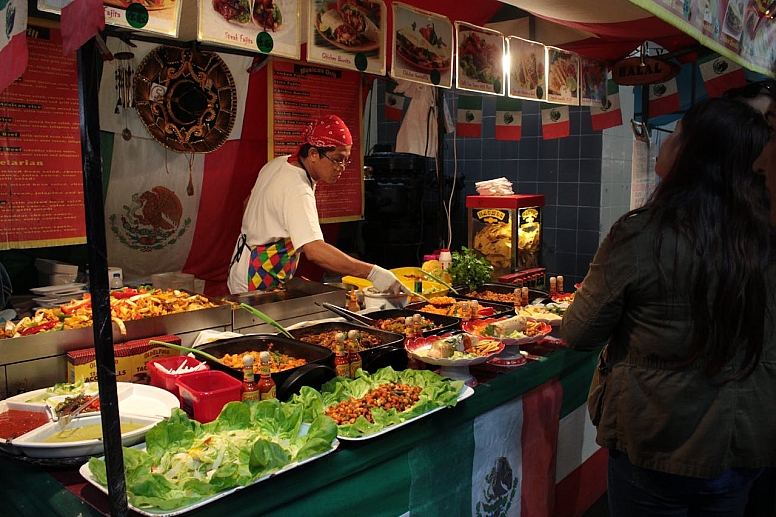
437	392
186	461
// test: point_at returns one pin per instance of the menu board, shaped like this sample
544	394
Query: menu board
479	59
592	78
527	65
300	93
269	27
159	16
422	46
41	174
736	29
348	34
562	77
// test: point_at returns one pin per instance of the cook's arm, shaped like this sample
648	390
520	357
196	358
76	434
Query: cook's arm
599	303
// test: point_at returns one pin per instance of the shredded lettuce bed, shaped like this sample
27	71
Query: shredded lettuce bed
186	461
437	392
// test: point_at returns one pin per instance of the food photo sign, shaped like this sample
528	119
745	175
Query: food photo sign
158	16
562	77
480	59
269	26
593	82
348	34
422	46
527	65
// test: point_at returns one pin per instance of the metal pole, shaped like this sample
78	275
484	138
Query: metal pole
89	72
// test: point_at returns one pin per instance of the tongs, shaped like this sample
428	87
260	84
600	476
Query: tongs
349	315
266	319
65	419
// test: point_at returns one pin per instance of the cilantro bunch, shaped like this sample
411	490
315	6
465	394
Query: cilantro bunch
469	269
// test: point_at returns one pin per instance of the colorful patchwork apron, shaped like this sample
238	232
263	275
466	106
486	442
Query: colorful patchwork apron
271	265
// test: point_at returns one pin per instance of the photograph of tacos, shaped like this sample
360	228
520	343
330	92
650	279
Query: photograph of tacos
527	68
234	11
151	5
423	48
478	58
267	15
348	26
593	81
562	74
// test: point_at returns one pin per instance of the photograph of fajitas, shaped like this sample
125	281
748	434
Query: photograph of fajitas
479	57
563	74
263	14
151	5
421	47
352	25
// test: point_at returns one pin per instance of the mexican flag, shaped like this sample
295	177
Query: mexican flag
663	98
555	121
509	118
469	116
394	102
80	20
720	74
13	43
610	114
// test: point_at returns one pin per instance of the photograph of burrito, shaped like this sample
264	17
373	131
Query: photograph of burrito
348	26
234	11
422	47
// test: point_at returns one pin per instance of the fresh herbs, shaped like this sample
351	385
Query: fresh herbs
469	269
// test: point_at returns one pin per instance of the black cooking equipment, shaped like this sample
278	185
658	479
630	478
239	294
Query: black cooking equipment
317	370
372	358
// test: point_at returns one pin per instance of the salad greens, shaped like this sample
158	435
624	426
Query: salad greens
64	388
186	461
469	269
437	392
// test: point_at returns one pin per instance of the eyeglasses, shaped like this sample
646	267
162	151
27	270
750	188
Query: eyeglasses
752	90
344	162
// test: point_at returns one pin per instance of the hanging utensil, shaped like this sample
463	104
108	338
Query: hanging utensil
190	187
187	349
266	319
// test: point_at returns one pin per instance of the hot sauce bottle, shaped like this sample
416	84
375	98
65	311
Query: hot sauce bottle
354	344
524	297
353	304
517	298
409	329
267	386
341	363
417	325
250	390
560	284
553	286
475	309
466	312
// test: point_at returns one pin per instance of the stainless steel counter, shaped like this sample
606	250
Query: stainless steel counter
32	362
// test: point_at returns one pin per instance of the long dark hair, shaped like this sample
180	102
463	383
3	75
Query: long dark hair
712	198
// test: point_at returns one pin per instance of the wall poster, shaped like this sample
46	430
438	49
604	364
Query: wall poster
479	59
527	65
159	16
299	93
422	46
41	174
562	77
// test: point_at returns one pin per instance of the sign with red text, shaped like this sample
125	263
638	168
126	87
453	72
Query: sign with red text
158	16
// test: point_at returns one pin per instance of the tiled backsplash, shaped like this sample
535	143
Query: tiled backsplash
584	177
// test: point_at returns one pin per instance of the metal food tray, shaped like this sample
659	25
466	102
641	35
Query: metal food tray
316	356
502	309
533	294
372	358
446	323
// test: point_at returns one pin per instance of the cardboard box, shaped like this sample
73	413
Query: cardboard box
130	360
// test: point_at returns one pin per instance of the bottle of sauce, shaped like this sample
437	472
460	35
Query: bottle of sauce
267	386
341	363
475	309
250	390
560	284
517	298
553	287
354	345
524	297
409	329
417	325
466	312
446	260
353	304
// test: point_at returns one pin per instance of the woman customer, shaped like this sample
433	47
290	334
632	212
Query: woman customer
681	291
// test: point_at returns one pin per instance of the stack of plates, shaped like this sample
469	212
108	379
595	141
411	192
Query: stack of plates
56	295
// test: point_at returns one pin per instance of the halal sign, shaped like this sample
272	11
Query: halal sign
643	70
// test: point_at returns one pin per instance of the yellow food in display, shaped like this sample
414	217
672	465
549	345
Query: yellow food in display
88	432
494	241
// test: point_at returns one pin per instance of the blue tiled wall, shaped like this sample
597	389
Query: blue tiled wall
567	171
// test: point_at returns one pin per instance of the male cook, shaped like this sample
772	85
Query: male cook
281	219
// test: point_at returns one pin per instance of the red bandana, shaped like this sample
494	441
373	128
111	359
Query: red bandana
327	131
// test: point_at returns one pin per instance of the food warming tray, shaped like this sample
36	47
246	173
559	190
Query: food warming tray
445	323
499	309
533	294
317	371
372	358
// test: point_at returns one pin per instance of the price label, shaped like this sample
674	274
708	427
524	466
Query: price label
264	42
361	61
137	16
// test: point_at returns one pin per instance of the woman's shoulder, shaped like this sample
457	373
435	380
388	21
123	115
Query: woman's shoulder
635	223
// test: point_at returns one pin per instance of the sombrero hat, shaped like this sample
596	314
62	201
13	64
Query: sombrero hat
186	99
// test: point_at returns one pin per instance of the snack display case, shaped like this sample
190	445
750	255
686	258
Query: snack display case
506	230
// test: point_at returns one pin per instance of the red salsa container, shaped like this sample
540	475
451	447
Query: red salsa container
166	381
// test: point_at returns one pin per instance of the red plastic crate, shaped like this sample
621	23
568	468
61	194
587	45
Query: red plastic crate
204	394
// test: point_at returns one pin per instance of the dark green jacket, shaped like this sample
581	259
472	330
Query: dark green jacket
665	416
